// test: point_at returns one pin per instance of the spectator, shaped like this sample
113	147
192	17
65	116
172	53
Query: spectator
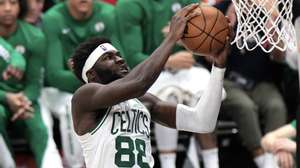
12	66
66	25
20	99
143	26
279	143
33	16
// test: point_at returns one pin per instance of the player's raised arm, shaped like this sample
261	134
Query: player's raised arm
201	118
110	88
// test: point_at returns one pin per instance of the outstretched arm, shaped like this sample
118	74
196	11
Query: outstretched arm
203	117
138	81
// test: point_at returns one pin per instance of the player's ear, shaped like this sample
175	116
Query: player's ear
91	75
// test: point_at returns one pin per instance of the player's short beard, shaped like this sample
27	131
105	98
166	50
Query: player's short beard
106	75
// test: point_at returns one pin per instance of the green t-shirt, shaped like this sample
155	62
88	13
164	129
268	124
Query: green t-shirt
140	28
30	42
64	34
8	56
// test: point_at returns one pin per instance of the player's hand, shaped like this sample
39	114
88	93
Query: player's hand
20	106
179	21
180	60
285	144
10	72
285	159
220	57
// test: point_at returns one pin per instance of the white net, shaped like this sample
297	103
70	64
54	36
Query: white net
264	23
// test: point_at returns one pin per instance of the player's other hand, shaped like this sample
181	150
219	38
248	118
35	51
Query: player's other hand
220	57
179	21
12	72
180	60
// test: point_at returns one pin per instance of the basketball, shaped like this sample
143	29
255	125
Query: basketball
206	34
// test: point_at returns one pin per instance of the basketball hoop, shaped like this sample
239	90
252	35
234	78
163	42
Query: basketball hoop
264	23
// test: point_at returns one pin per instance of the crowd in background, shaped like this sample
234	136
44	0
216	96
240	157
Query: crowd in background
38	37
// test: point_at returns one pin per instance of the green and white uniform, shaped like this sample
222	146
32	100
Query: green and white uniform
63	34
121	139
30	42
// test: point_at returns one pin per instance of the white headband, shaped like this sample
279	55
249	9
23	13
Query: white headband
94	56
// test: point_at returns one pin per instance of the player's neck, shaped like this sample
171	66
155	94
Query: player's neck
7	30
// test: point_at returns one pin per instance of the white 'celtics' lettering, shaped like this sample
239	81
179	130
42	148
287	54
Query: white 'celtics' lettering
133	121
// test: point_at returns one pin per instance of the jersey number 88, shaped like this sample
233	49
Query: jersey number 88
127	150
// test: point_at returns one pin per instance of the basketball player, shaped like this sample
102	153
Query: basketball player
66	25
144	26
22	96
112	125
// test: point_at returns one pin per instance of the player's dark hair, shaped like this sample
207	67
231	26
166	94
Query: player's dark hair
23	9
83	51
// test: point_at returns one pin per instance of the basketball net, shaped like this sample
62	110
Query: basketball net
264	23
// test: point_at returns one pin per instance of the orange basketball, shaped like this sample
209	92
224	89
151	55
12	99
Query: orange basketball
206	34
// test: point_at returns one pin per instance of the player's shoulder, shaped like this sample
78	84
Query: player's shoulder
55	12
85	91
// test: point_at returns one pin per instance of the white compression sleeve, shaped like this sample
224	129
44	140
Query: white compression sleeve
203	117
